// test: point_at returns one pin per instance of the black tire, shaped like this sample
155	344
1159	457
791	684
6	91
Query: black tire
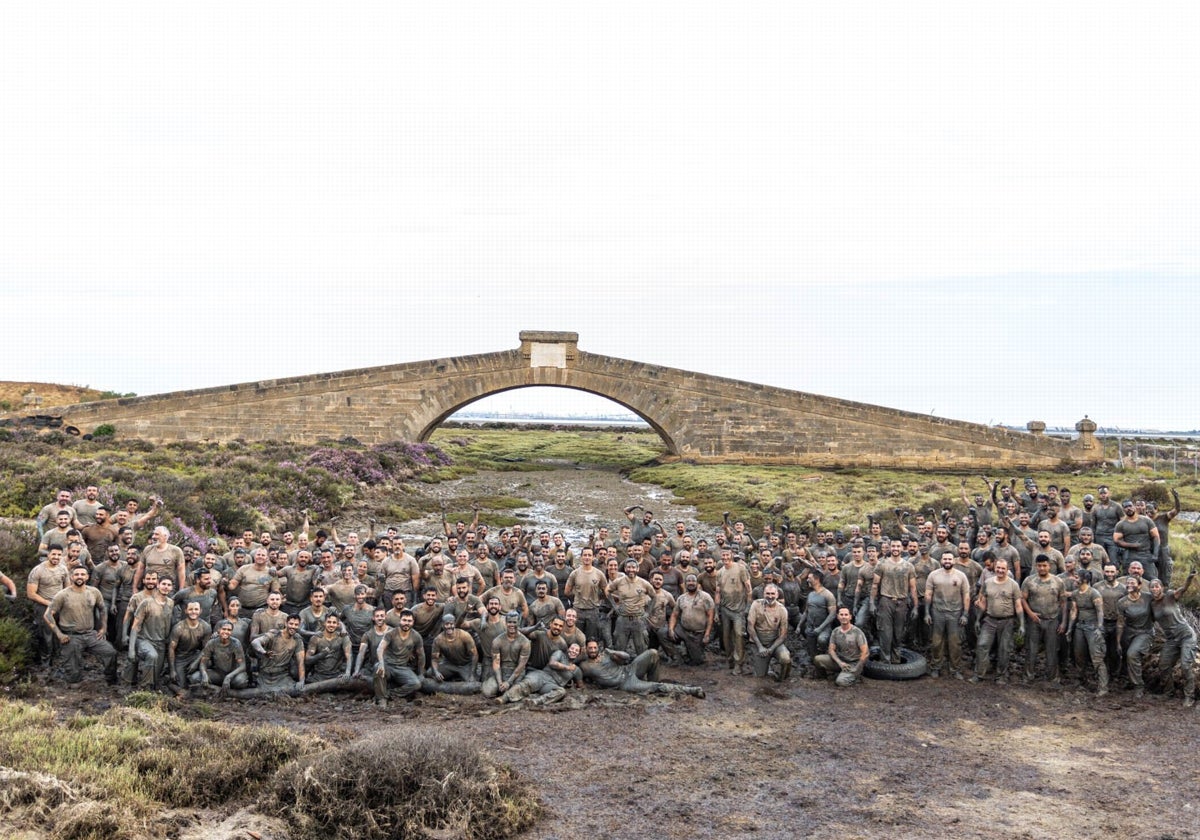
912	665
71	430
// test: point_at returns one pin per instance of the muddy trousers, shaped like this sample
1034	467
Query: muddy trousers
405	680
537	684
216	677
919	633
815	642
993	631
1089	644
79	644
844	678
733	635
642	678
692	644
185	664
45	645
890	616
761	664
660	638
631	634
594	626
1181	647
1138	647
151	662
1042	633
1112	651
947	641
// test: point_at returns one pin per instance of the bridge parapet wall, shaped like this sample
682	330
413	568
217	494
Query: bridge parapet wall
703	418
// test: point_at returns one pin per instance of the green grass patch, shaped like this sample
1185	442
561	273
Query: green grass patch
838	498
514	450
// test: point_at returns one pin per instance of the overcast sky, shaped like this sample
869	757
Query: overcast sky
987	212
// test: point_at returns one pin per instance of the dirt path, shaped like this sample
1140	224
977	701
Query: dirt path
570	499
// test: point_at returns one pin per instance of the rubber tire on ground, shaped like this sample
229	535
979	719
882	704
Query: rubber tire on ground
912	665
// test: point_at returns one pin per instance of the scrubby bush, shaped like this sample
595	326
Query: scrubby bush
104	430
16	651
403	783
1154	491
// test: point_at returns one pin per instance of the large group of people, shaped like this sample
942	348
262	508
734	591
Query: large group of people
523	614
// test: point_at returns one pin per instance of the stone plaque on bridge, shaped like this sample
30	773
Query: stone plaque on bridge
547	355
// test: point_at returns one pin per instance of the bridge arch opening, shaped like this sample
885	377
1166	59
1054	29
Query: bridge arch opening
549	404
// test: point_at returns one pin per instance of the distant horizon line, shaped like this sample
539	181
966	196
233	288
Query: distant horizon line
629	418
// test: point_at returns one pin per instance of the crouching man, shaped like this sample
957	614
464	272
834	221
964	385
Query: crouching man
848	651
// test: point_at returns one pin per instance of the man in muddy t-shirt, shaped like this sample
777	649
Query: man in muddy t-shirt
149	632
254	582
223	660
585	586
692	620
733	601
636	674
281	657
1000	603
77	616
162	557
847	652
296	582
1138	536
185	644
510	656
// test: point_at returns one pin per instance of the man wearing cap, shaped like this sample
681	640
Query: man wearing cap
1138	536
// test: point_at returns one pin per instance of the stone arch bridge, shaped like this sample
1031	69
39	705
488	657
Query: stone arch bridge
700	418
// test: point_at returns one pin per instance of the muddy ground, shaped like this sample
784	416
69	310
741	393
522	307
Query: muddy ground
927	758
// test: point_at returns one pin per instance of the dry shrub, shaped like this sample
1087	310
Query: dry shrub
1154	491
206	762
47	804
137	763
403	783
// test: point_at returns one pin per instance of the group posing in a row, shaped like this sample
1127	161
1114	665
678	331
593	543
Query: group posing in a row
526	613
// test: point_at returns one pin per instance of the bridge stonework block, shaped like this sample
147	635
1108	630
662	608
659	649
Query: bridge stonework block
701	418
